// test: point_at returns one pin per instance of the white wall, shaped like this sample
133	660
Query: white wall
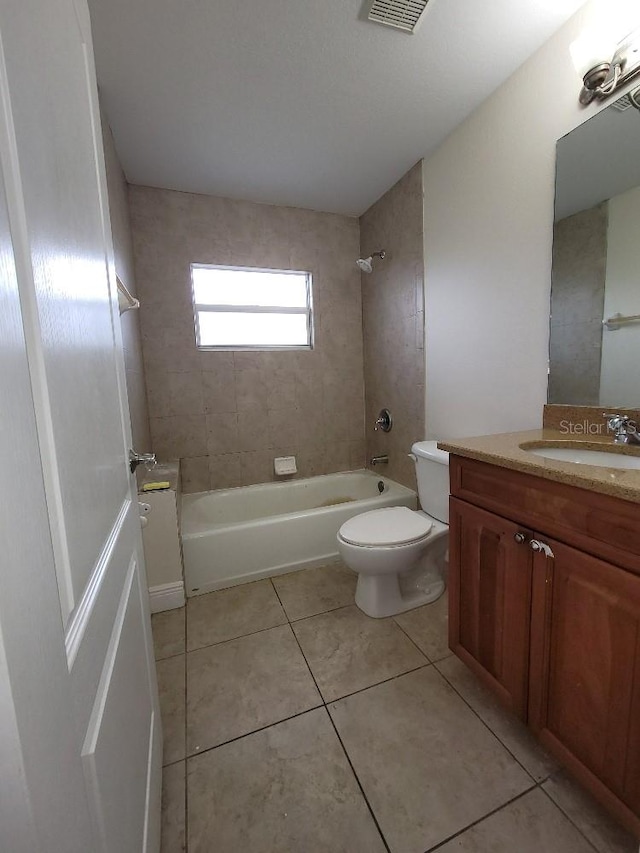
620	373
489	193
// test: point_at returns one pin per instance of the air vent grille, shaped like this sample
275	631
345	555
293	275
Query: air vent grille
631	99
622	104
401	14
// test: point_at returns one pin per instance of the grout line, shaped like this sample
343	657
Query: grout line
173	763
484	817
231	639
353	770
186	810
188	757
488	727
377	683
568	817
169	657
359	783
407	634
324	704
186	798
322	612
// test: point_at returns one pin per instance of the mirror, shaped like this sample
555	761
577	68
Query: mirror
596	263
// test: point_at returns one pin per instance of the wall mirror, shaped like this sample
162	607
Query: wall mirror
594	349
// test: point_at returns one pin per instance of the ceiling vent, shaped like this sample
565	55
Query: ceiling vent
400	14
622	104
631	99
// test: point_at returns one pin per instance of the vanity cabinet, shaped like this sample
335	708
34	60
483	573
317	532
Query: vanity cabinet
556	635
490	623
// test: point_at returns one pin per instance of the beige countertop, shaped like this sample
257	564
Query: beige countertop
504	450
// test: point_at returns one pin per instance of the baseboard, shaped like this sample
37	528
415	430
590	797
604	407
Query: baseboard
168	596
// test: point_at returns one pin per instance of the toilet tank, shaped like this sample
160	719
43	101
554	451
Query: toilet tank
432	474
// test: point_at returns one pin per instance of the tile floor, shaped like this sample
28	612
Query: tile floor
293	723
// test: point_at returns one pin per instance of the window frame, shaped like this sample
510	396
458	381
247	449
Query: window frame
254	309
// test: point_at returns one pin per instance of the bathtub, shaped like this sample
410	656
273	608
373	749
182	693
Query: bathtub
232	536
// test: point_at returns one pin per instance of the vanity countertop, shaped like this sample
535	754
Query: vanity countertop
504	450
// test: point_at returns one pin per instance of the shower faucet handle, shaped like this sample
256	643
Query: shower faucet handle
384	421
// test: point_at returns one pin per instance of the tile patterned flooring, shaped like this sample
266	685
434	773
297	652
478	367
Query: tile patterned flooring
293	723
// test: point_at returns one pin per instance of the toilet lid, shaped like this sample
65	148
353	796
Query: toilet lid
393	525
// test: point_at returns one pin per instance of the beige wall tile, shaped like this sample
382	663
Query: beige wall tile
138	410
194	474
283	427
215	360
219	390
253	430
337	457
222	433
251	389
257	404
309	388
336	425
179	436
224	471
173	393
310	425
281	388
130	321
256	466
393	321
357	454
311	461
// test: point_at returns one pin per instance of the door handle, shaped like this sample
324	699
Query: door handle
145	509
541	547
520	538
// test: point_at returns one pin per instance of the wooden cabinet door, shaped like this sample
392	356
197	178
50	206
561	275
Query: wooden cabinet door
490	600
585	672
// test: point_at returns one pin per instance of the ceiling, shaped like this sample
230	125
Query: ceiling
297	102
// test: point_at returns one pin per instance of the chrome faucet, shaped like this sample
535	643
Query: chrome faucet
624	429
379	460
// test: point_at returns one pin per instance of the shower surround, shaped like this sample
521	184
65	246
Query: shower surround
393	323
225	414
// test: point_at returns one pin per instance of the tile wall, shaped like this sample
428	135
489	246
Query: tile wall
227	415
393	322
577	304
130	320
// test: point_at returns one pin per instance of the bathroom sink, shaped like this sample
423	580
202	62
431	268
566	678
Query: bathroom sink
602	458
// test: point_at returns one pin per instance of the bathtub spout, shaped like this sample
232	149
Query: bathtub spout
379	460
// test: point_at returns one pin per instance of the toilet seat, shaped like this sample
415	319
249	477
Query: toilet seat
394	525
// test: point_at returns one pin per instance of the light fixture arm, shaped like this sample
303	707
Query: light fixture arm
600	82
607	77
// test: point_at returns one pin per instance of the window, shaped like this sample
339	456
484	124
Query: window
244	308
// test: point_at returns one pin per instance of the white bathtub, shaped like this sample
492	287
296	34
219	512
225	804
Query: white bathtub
232	536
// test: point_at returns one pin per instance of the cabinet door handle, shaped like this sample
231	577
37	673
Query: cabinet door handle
542	547
520	538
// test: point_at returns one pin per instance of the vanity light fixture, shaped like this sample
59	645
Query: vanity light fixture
605	77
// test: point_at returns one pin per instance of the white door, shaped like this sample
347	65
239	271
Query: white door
80	745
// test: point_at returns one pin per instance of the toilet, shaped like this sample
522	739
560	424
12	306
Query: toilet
400	554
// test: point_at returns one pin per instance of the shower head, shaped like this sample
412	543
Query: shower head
366	264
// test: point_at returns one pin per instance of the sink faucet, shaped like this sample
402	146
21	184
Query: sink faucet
624	429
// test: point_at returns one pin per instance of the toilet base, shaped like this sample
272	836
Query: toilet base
380	595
